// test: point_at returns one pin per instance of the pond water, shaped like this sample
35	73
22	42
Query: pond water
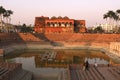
48	64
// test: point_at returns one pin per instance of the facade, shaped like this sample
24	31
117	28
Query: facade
107	27
5	27
58	25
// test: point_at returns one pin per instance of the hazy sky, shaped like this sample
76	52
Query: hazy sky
92	11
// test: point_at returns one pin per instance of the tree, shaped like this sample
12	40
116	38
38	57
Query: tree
2	10
25	28
98	30
110	14
105	16
118	12
6	15
10	12
113	16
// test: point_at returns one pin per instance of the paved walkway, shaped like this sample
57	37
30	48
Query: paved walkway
94	73
13	71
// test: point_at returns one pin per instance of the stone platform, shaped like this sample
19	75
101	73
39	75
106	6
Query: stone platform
94	73
13	71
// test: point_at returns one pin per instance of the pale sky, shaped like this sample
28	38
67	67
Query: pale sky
92	11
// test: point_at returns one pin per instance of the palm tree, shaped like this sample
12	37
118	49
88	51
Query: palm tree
6	15
112	16
2	10
105	16
116	17
118	12
10	12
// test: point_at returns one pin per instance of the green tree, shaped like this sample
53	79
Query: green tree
6	15
10	12
118	12
112	16
2	10
105	16
25	28
98	30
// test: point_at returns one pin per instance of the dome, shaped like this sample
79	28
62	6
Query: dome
65	17
59	17
53	17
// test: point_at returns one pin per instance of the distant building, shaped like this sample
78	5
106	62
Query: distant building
6	27
59	25
106	27
2	24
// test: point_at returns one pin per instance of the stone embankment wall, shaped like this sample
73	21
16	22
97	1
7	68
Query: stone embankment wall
18	41
115	48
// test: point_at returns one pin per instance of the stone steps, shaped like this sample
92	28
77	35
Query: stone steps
13	71
94	73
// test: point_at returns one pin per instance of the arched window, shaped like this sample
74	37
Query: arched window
71	24
48	24
59	24
62	24
67	24
51	24
56	24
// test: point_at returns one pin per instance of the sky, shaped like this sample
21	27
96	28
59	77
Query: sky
92	11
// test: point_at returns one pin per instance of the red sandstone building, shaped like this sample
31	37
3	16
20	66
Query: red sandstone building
59	25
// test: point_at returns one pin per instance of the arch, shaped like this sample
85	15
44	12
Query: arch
62	24
71	24
59	24
55	24
51	24
48	24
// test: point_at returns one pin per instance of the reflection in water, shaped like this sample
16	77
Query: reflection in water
28	63
51	63
97	60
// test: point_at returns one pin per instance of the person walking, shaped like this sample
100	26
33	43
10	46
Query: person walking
87	65
95	64
84	66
